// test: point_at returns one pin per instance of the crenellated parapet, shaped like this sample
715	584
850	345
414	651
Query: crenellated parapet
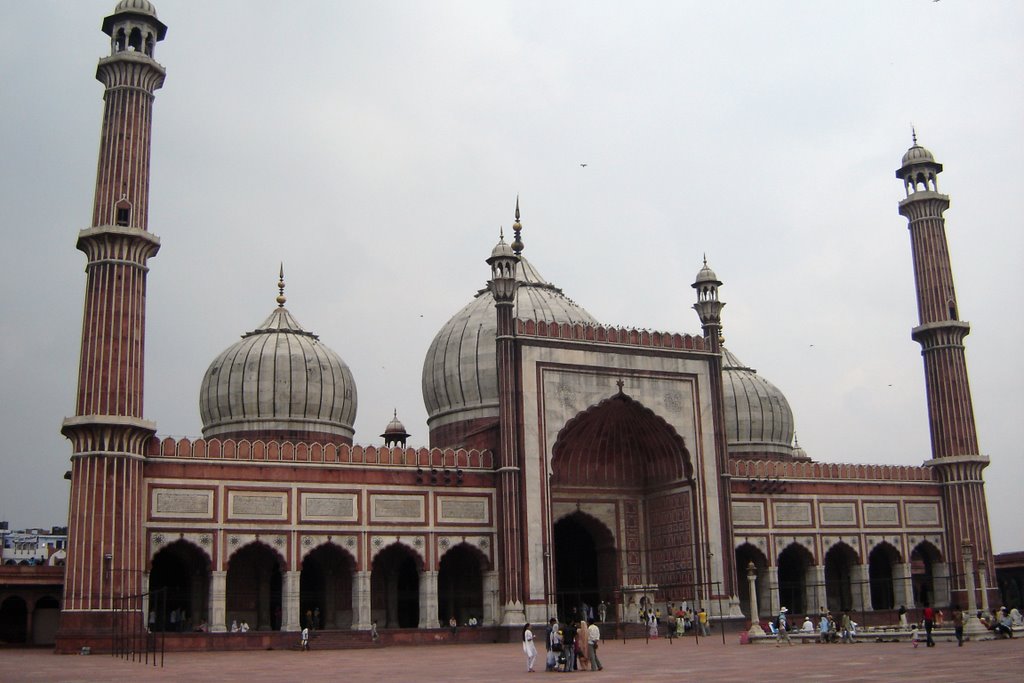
317	453
829	471
610	335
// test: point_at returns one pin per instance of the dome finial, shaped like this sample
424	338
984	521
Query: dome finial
280	287
517	227
913	134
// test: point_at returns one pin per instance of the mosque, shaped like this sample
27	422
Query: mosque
569	462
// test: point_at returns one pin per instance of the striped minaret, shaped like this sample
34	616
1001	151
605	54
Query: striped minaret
955	454
504	262
108	433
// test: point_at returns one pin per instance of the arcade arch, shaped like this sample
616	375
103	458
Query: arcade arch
460	584
840	563
182	571
254	587
882	561
325	587
795	590
395	587
745	554
585	563
925	564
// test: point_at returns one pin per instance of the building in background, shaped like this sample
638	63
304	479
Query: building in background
570	462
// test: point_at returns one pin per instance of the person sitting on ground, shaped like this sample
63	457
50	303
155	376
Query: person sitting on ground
808	625
1005	626
234	626
1015	617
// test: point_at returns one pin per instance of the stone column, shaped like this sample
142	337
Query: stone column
490	588
940	583
145	599
820	596
973	628
773	589
983	580
291	597
755	619
861	593
361	619
218	601
903	578
428	600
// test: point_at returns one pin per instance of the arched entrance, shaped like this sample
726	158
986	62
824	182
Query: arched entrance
621	451
924	561
584	554
840	561
45	620
395	587
882	561
745	554
325	588
794	585
13	620
254	587
460	584
183	571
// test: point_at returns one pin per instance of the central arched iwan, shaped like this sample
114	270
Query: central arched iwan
622	444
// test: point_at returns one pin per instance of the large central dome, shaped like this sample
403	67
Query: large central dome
460	380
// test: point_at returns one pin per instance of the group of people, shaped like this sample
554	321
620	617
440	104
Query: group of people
829	629
237	627
570	647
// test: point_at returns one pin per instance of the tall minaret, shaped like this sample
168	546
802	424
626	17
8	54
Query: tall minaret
709	309
504	262
955	454
108	433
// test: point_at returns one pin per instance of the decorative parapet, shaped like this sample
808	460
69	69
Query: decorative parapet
317	453
609	335
772	469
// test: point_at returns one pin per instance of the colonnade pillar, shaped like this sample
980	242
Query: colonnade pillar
903	576
428	600
290	596
218	601
361	619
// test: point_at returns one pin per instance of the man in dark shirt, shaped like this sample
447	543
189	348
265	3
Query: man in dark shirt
958	625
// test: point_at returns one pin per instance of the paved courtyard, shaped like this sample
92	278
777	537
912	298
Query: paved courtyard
660	660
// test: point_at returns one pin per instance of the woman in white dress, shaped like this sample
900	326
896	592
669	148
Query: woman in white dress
529	648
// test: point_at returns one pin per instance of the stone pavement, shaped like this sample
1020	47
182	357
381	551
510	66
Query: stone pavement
636	660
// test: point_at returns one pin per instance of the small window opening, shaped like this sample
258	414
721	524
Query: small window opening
135	40
123	215
119	41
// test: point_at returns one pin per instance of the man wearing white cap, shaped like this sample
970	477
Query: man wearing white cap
783	632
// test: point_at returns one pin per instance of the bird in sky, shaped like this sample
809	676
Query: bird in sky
583	165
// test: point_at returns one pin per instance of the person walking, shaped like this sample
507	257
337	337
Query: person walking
553	644
783	628
529	649
569	645
304	643
929	622
593	640
582	650
702	619
958	625
847	628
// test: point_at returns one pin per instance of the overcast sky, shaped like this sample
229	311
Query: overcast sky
377	147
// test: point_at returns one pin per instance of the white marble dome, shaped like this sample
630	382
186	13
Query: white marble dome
758	419
460	380
279	381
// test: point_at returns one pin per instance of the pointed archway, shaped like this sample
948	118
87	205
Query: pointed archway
254	587
882	561
924	565
460	584
585	569
395	587
14	620
325	588
840	561
182	571
745	554
621	450
794	578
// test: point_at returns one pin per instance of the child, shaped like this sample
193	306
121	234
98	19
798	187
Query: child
305	638
913	635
